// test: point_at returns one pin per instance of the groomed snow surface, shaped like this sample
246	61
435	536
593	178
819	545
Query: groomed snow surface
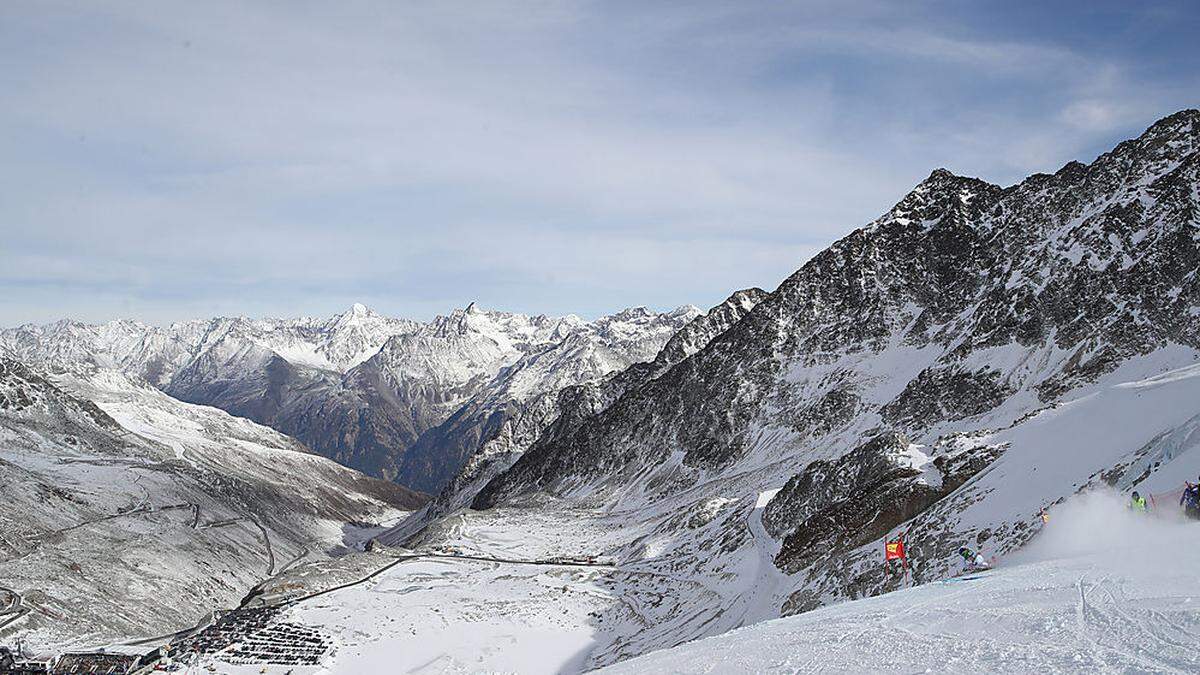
1101	589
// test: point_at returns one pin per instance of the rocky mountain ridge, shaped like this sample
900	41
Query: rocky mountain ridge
359	387
538	415
1096	263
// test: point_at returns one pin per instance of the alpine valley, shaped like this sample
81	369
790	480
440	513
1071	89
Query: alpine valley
545	494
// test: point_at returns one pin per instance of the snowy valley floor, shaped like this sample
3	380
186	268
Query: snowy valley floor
1102	590
441	612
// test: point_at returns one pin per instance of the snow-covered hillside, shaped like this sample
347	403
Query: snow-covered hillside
1101	590
564	587
128	514
359	387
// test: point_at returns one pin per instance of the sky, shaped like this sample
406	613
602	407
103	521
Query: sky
172	160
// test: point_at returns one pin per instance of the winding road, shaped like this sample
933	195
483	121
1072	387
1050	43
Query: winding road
15	609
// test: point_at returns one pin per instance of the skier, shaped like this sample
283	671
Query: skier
1137	503
1190	501
975	561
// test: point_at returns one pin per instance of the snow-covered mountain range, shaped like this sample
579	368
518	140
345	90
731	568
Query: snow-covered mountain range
977	356
551	411
395	398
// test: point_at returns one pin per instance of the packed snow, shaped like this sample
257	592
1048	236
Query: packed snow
1101	589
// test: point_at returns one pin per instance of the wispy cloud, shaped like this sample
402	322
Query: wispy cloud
275	158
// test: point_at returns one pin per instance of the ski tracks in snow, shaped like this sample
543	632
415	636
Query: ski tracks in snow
1159	642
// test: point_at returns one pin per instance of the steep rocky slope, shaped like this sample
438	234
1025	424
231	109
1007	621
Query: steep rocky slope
517	410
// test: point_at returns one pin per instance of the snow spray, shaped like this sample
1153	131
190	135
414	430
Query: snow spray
1100	521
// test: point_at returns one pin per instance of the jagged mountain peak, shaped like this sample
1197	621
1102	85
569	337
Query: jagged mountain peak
746	298
632	313
1157	151
943	197
1072	171
357	315
471	320
689	310
359	311
1185	123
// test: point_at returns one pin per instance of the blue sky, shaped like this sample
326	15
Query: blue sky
169	160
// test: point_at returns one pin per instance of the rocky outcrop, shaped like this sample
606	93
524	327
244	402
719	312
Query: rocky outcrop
939	394
858	498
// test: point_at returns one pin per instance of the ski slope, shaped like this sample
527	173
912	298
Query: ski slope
1100	590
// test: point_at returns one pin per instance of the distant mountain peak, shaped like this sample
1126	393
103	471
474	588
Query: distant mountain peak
356	317
358	312
686	310
941	174
633	313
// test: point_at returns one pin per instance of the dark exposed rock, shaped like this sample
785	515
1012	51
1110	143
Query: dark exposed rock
832	410
858	498
939	394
